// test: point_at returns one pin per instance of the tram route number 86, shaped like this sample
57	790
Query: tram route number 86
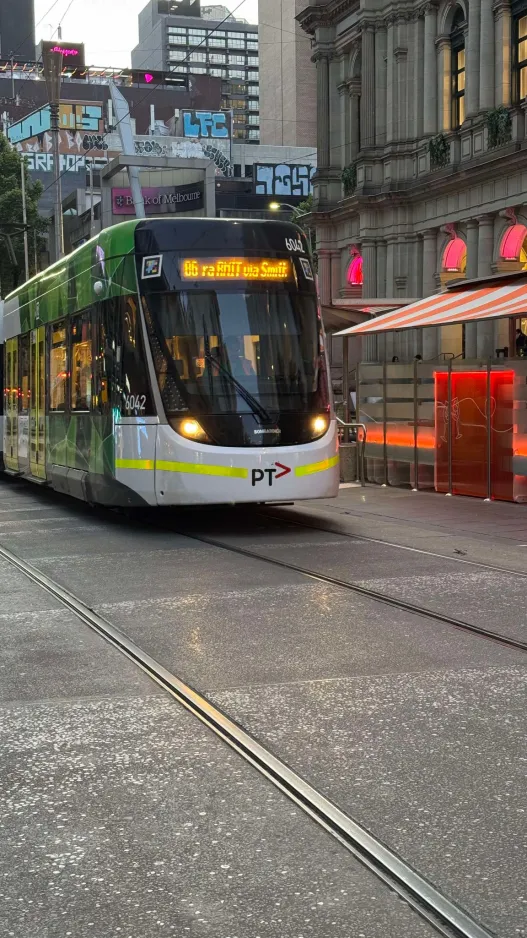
135	404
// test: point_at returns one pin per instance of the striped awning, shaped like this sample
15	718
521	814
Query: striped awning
460	305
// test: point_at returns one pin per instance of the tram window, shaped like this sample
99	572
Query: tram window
81	363
58	368
121	376
24	374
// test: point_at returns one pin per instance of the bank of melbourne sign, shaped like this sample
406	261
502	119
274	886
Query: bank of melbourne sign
160	201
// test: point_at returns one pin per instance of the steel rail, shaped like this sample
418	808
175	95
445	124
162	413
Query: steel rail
364	591
448	918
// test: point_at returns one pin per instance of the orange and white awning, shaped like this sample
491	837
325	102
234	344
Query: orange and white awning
460	305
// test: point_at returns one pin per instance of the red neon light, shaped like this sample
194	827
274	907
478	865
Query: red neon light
454	255
512	242
402	436
355	271
65	52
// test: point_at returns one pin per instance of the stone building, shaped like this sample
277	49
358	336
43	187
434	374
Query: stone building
288	88
422	153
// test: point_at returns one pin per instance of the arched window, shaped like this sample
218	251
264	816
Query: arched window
455	257
355	271
457	41
511	247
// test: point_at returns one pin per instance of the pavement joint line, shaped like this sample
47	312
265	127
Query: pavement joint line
393	601
448	918
417	550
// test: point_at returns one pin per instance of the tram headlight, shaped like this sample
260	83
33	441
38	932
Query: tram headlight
191	429
319	425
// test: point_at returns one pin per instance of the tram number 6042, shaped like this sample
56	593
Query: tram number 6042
135	404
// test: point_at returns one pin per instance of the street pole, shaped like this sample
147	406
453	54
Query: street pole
53	75
24	214
92	213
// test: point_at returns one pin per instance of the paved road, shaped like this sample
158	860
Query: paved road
125	813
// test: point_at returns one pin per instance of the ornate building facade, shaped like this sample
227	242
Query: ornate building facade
422	149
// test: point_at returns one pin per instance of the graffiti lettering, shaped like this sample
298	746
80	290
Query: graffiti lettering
205	124
283	179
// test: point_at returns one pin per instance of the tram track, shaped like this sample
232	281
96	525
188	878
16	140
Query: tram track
445	916
377	540
357	588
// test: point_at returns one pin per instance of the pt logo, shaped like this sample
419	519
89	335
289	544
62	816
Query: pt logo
258	475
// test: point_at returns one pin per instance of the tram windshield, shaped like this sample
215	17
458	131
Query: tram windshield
227	351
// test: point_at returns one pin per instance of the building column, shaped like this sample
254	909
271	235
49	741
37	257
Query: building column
369	268
336	275
430	70
485	245
471	328
345	129
472	68
401	70
444	68
354	112
429	261
502	53
381	72
391	88
486	57
367	100
324	275
381	268
322	60
472	249
418	96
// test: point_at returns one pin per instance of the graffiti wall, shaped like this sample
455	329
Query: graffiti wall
283	179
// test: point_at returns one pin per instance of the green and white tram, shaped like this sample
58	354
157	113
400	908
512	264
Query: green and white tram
172	362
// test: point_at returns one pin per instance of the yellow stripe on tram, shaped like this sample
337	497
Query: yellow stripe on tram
313	467
202	469
134	464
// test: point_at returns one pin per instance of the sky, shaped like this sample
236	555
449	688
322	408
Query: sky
108	27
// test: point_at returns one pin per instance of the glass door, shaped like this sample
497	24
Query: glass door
37	414
11	405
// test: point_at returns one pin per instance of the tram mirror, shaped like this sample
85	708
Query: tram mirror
98	288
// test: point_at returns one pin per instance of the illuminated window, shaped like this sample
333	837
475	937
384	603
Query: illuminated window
355	271
81	363
512	243
458	69
24	374
455	257
58	368
520	58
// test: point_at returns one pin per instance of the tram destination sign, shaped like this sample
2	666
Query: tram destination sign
235	268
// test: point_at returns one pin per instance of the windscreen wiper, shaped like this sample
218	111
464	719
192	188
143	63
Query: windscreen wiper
255	405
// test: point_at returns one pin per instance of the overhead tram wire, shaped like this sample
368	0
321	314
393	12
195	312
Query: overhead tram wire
152	89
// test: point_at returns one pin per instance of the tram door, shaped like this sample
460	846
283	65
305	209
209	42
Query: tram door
11	405
37	410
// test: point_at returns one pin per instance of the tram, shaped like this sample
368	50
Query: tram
172	362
